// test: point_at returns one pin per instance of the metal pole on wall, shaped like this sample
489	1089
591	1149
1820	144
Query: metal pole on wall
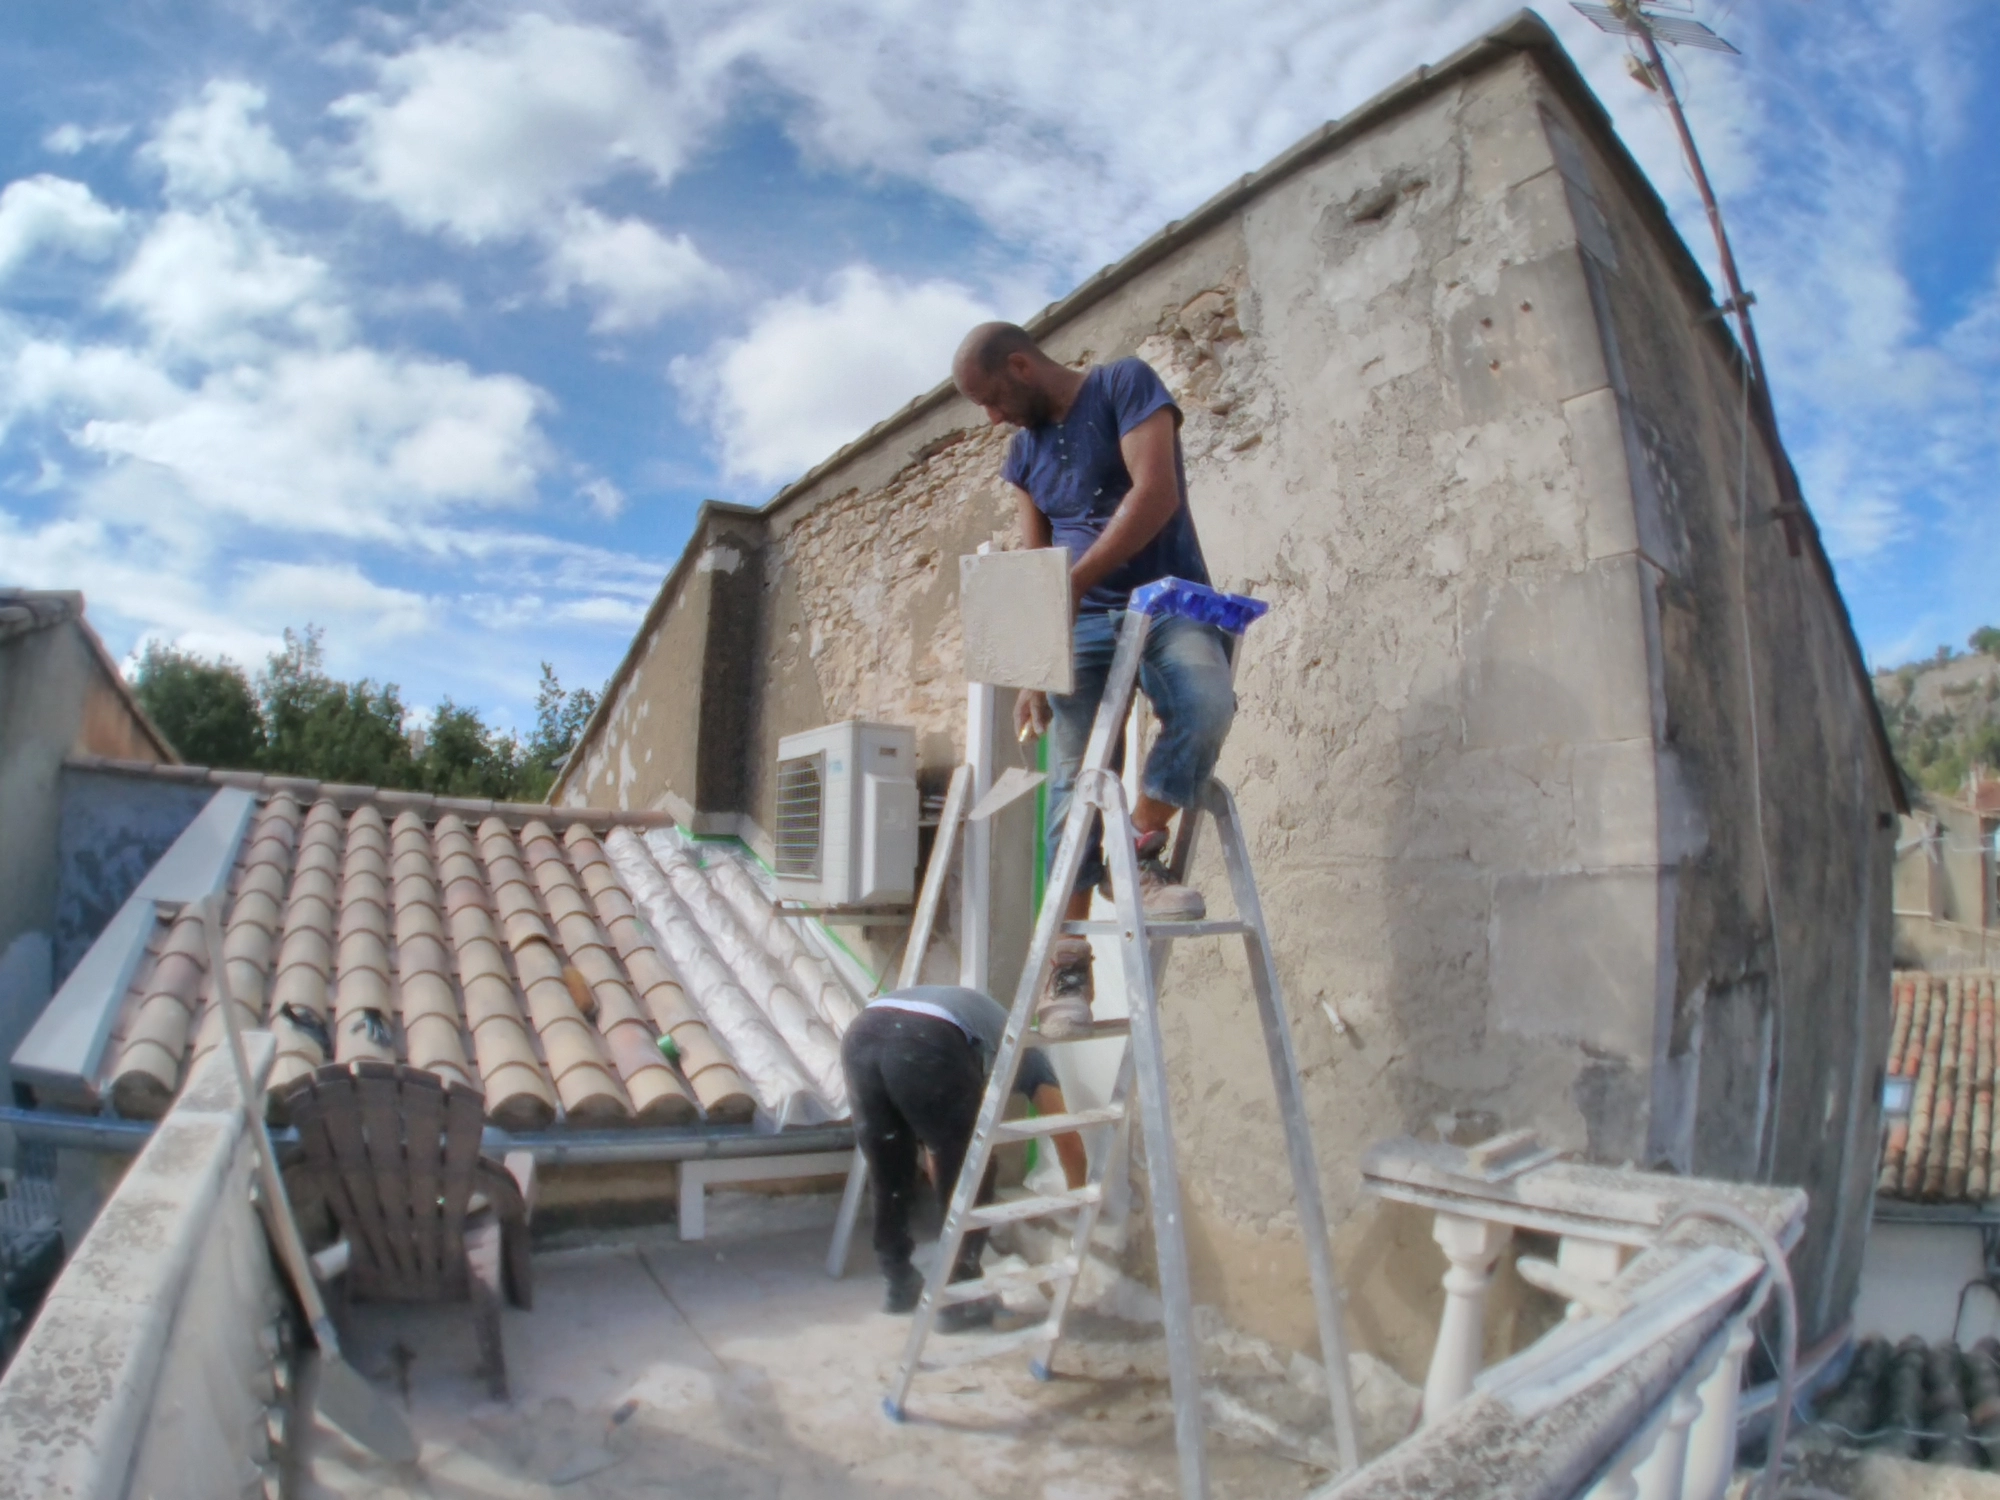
976	869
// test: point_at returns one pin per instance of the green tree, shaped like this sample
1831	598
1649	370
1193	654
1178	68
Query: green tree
1986	639
463	758
205	708
317	726
559	720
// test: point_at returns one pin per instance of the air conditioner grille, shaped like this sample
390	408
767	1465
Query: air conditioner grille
800	799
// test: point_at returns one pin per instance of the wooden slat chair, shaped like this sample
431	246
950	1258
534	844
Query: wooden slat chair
391	1159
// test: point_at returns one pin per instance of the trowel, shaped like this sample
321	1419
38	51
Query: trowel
1014	784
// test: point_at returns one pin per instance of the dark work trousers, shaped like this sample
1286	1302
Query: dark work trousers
913	1081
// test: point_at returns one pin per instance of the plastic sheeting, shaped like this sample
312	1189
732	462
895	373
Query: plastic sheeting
769	984
811	975
784	1096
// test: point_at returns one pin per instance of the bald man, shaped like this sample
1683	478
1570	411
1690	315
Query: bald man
1096	468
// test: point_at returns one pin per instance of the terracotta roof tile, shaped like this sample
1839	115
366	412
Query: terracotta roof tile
508	956
1942	1040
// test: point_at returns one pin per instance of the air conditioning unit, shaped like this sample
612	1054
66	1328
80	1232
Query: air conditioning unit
847	815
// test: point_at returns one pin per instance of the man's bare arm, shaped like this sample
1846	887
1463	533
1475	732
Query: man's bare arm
1144	512
1034	525
1069	1145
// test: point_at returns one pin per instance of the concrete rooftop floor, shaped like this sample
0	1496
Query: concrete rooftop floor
735	1368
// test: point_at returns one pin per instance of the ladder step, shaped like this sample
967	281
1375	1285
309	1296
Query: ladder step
966	1348
1046	1125
1014	1210
1008	1281
1098	1031
1221	927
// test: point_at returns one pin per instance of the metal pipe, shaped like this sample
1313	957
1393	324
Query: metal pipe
77	1132
577	1148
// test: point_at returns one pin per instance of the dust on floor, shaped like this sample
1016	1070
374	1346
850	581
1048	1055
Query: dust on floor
734	1369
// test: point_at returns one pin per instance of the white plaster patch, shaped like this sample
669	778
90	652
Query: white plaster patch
719	559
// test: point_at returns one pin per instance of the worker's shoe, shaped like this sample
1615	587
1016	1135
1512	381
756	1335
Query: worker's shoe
906	1289
1164	898
961	1317
1064	1010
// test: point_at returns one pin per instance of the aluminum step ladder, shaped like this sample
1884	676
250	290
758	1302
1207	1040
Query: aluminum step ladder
1143	948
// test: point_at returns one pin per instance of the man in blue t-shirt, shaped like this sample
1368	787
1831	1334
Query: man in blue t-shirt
1096	468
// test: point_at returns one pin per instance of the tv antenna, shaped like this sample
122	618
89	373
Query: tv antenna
1649	28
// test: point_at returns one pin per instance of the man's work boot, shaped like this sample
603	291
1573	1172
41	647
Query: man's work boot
906	1287
1064	1010
1164	898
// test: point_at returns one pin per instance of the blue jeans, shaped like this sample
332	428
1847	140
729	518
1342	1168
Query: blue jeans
1185	672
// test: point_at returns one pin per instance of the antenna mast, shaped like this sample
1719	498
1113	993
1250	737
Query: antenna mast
1649	29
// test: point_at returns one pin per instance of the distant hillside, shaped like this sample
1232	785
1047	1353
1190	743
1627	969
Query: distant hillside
1944	714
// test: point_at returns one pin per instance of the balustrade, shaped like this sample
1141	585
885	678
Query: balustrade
1634	1303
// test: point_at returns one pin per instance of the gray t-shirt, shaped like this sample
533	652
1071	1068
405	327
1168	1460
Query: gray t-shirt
982	1020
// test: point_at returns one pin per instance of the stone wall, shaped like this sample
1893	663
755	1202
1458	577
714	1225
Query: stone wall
1776	824
1481	761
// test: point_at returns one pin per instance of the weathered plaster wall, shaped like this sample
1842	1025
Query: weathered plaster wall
672	736
1776	1016
56	699
1463	748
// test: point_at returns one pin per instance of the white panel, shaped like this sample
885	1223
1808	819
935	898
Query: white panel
888	839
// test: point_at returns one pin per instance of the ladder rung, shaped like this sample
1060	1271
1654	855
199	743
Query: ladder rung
1221	927
1098	1030
1014	1210
964	1349
1008	1281
1042	1125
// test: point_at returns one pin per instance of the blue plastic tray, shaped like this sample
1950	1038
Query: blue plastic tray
1176	596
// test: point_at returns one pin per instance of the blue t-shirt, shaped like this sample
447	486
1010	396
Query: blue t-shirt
1076	476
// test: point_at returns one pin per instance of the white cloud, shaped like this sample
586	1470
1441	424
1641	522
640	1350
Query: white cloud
72	139
635	274
604	498
812	374
205	282
491	134
44	212
354	441
217	145
338	596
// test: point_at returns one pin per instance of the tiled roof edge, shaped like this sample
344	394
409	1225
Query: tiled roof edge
24	611
348	797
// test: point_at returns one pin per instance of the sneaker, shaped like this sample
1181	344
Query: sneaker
1064	1011
906	1288
1164	898
961	1317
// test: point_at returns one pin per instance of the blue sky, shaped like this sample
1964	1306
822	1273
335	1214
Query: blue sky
433	324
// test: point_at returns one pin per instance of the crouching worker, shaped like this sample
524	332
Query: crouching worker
917	1062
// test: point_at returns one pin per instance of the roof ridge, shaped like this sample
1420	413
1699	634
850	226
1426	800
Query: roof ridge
348	796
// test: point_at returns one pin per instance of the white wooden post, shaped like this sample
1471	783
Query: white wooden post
1660	1476
1712	1440
1472	1246
976	868
1618	1484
